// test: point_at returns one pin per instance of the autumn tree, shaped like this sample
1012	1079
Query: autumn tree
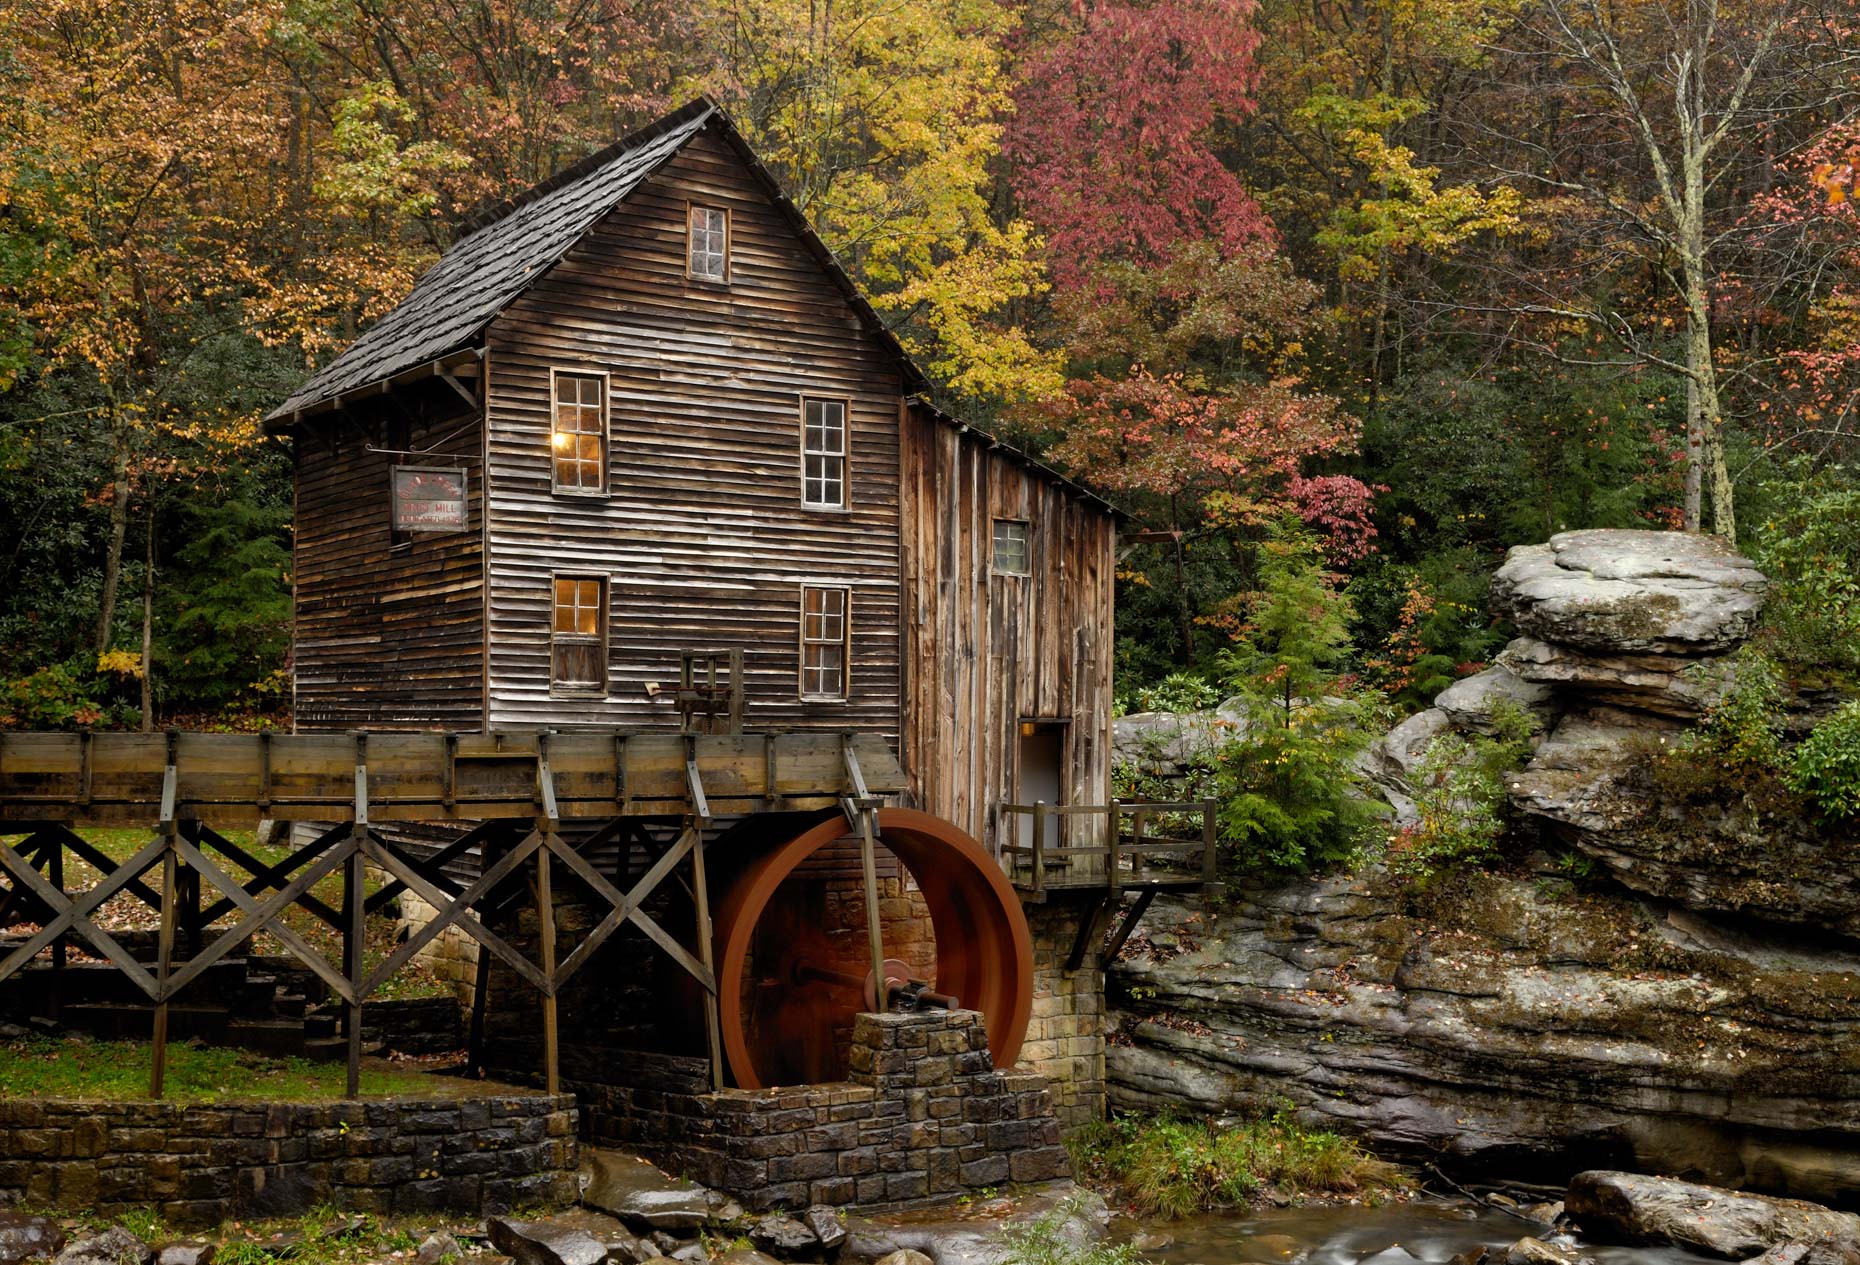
1673	113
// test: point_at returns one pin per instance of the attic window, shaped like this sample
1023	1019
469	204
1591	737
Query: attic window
709	231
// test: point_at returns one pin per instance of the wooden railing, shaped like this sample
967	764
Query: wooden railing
1138	845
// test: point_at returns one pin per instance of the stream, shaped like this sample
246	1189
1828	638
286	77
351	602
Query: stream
1433	1231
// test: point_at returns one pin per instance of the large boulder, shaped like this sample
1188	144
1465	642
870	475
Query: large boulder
24	1237
1631	592
545	1242
1670	686
638	1193
1735	1226
1174	744
1471	703
1499	1020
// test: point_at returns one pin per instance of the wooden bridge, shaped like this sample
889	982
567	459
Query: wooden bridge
513	789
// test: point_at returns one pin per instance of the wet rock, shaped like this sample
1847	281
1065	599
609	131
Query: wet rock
666	1243
905	1256
433	1250
826	1225
28	1238
747	1256
545	1243
1472	1256
631	1251
202	1254
1719	1222
1531	1251
1631	592
783	1235
1396	1255
1809	1254
1151	1241
691	1254
972	1235
642	1196
1547	1213
115	1246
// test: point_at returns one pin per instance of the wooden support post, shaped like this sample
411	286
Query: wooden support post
1209	868
170	905
548	822
354	920
1139	819
700	892
55	872
1138	908
1039	848
1114	860
875	934
545	925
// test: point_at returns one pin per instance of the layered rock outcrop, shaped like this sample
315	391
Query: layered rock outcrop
1642	992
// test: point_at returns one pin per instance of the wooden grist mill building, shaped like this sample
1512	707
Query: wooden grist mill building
695	686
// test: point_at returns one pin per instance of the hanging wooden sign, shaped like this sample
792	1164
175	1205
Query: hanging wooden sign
431	498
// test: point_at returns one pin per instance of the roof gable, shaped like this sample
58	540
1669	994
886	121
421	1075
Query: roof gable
502	253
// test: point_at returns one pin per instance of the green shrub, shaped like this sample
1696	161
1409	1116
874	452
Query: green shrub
1174	1168
1809	546
74	694
1177	692
1459	794
1826	767
1043	1241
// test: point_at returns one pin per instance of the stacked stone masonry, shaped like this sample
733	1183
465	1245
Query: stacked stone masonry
201	1164
923	1115
1065	1037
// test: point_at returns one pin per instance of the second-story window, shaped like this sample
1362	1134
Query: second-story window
708	229
578	438
825	642
823	453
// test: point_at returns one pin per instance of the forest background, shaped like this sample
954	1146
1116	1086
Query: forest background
1339	298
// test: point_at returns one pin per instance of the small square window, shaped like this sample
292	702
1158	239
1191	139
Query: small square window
1010	546
708	231
578	635
578	438
826	639
823	453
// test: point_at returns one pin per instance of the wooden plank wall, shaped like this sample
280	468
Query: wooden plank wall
386	635
987	651
703	535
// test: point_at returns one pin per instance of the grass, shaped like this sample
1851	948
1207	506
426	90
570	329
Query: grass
40	1067
322	1236
1043	1241
1173	1168
125	912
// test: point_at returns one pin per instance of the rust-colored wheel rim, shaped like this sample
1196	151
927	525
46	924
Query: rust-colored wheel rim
984	955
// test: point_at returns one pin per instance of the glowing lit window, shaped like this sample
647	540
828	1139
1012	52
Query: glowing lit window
578	438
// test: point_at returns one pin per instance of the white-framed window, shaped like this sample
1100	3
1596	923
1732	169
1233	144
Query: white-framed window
707	230
1010	546
578	635
823	453
578	432
826	641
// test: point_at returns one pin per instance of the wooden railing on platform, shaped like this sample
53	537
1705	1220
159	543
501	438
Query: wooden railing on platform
518	787
1144	845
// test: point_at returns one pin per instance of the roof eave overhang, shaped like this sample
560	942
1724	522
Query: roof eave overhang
286	419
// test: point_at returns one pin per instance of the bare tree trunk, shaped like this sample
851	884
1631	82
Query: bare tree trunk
148	629
119	526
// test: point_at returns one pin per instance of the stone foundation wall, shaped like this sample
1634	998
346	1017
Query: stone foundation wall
202	1164
1065	1037
924	1114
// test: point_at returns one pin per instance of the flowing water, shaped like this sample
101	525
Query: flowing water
1398	1234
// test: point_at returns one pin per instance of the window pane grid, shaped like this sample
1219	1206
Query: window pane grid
823	453
824	632
579	633
1010	546
580	433
709	237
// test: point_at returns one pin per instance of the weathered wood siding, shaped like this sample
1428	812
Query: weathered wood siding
988	651
386	635
703	536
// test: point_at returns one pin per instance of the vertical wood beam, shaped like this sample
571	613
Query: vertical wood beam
170	904
354	920
875	935
1039	848
545	922
700	892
